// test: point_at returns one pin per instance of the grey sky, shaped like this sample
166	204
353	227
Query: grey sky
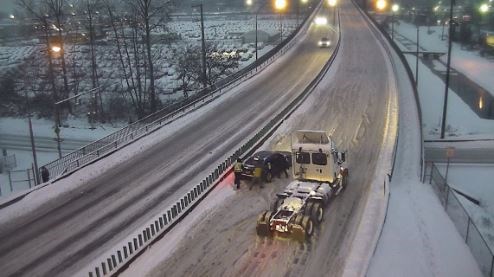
7	5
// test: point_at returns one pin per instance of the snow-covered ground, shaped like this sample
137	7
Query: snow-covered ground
431	89
74	129
418	237
468	62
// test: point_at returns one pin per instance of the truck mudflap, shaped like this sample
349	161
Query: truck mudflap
298	233
263	224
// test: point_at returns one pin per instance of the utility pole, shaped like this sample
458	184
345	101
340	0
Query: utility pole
57	131
448	67
203	42
417	59
256	33
33	145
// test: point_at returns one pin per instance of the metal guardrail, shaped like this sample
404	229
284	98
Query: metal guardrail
156	228
465	225
94	151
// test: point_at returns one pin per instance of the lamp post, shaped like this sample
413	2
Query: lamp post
33	145
280	6
55	51
394	9
448	69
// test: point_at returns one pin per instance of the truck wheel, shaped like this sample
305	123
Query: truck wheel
263	224
308	226
308	208
317	213
297	219
345	178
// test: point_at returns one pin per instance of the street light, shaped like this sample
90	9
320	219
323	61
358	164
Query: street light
448	69
280	6
484	8
394	9
56	49
381	4
248	2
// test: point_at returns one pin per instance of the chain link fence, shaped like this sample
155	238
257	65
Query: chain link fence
466	227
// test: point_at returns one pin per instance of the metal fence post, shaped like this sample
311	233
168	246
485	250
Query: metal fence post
492	265
468	230
447	198
28	178
10	181
430	179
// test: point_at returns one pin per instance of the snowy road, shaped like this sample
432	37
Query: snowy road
64	235
351	104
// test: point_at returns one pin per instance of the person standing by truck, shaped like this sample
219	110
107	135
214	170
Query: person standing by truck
237	169
256	177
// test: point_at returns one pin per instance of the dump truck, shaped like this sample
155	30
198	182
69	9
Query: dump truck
319	175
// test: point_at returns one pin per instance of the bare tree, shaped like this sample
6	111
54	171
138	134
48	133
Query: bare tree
150	14
186	67
219	65
124	41
40	16
57	13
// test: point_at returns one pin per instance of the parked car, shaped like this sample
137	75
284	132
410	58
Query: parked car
280	161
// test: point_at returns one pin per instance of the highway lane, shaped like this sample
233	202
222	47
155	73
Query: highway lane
351	103
65	235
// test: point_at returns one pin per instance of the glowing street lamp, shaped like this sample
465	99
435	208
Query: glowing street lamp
248	2
332	3
484	8
381	4
56	49
280	5
12	16
394	9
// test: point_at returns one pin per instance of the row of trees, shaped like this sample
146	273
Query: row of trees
129	28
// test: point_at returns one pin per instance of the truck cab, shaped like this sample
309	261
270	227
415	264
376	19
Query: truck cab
314	157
